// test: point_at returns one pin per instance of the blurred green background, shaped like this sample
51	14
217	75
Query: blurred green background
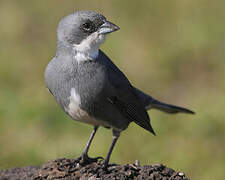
173	50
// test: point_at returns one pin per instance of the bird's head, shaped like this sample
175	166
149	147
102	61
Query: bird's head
84	30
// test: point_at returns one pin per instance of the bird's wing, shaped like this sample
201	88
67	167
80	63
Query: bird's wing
124	96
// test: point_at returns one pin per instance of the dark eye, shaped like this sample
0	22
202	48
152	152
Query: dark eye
88	27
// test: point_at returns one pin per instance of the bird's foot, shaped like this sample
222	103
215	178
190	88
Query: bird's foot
105	165
84	159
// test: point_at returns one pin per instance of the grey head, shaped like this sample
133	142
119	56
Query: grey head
84	31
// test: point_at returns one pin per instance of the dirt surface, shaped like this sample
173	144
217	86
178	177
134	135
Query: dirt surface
24	173
67	169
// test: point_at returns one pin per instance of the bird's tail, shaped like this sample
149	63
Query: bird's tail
151	103
169	108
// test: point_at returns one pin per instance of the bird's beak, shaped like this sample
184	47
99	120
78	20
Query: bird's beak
107	28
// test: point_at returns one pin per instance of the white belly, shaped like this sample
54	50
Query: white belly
79	114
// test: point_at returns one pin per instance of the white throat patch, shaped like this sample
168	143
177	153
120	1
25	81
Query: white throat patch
88	49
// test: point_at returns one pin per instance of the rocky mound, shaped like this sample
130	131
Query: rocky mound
68	169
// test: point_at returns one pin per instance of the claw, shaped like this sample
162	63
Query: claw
85	159
78	159
105	165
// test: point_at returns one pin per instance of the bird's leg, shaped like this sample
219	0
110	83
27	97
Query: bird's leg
90	140
116	135
84	159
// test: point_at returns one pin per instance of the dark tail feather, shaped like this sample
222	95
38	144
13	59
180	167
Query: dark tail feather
169	108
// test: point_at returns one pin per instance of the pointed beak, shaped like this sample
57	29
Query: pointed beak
107	28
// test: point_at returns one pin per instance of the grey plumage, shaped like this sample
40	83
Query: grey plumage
88	85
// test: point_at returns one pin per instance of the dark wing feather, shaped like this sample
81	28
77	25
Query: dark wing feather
125	97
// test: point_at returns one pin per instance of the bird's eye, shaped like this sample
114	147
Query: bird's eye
88	26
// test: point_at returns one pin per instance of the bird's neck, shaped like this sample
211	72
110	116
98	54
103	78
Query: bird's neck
63	48
79	53
88	49
85	54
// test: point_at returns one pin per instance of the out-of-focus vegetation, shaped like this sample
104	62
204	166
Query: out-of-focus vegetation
173	50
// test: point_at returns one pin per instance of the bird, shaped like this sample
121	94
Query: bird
90	88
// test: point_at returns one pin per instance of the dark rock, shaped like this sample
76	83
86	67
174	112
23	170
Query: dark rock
68	169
